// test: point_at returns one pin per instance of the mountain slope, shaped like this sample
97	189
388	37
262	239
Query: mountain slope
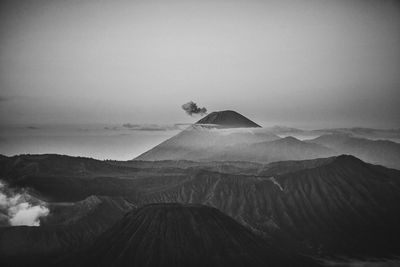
219	145
338	206
56	178
288	148
200	143
183	235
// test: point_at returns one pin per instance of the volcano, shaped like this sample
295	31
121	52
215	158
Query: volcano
228	119
209	136
172	234
229	136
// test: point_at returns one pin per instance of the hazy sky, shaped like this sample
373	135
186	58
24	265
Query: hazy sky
302	62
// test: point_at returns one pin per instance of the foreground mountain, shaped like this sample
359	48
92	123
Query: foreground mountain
381	152
182	235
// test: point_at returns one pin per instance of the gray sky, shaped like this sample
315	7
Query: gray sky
316	63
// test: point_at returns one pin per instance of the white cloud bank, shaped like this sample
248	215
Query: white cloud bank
20	208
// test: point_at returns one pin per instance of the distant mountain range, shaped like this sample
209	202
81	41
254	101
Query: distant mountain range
206	142
381	152
198	143
369	133
288	148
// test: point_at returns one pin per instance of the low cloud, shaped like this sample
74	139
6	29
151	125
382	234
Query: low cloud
113	128
26	214
20	208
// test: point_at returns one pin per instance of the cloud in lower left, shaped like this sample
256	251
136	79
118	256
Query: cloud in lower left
20	208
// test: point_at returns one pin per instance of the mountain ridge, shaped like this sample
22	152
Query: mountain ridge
383	152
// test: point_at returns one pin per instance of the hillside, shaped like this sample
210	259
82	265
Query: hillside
288	148
183	235
212	145
341	205
200	143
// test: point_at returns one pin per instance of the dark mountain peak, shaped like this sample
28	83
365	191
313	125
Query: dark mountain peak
347	159
228	119
171	234
291	166
338	162
343	165
293	142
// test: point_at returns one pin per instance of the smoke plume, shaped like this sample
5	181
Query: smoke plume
20	208
191	108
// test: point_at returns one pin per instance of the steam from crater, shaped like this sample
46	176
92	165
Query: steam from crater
20	208
191	108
